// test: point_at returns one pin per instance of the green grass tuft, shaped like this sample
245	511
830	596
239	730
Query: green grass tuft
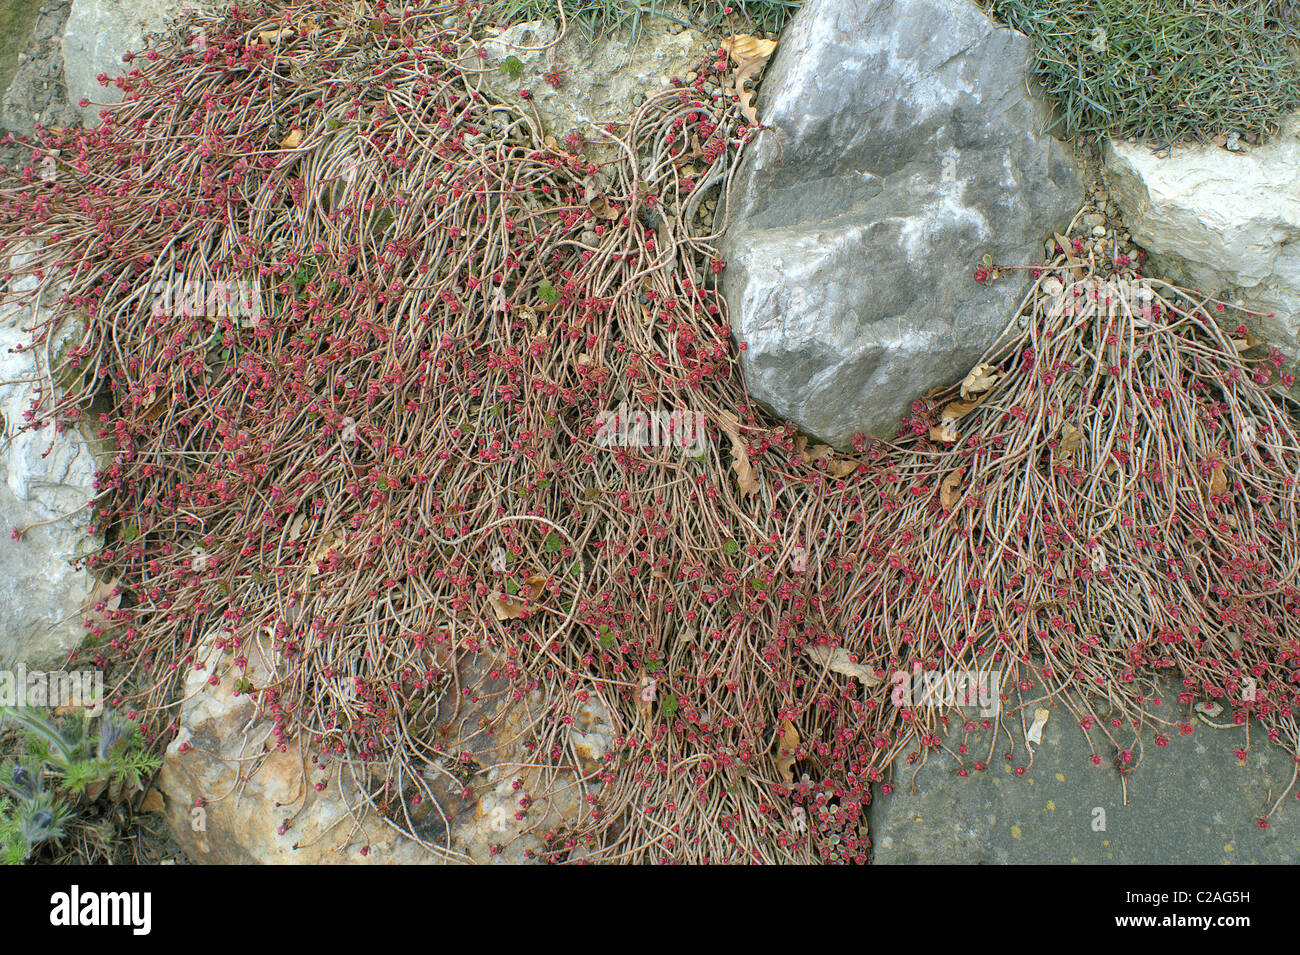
1164	70
605	17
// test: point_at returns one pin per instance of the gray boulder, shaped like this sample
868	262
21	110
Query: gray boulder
97	33
904	147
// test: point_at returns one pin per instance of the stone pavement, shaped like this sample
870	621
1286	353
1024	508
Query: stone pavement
1190	802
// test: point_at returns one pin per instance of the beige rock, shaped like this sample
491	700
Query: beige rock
233	798
1219	220
218	816
600	81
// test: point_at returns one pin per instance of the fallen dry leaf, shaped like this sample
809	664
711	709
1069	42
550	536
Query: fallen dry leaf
157	405
593	195
743	47
1218	478
746	477
950	489
279	34
786	750
602	209
592	187
509	608
841	469
102	591
955	410
329	542
746	72
124	787
1076	265
1241	344
292	140
95	789
945	431
980	379
504	607
1071	439
647	692
1035	733
837	660
152	802
810	455
750	54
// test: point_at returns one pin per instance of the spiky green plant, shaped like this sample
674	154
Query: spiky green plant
67	766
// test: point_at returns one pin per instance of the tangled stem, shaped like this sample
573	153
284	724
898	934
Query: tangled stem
389	483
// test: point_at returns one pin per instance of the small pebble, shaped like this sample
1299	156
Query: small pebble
1099	230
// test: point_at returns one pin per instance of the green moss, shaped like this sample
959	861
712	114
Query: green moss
17	20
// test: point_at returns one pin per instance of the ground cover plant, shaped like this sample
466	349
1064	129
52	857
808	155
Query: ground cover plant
1164	70
385	470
